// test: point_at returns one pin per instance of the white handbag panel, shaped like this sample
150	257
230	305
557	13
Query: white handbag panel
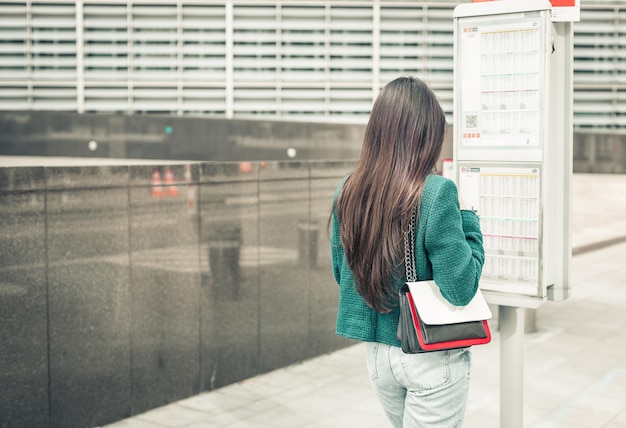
434	309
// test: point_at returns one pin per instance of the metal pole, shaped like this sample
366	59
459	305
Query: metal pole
511	367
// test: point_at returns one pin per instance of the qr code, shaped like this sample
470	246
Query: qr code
471	121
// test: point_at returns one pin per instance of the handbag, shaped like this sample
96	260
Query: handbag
428	322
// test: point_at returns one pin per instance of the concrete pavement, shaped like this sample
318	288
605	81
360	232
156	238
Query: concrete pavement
575	363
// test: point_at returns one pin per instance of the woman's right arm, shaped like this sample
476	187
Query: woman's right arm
454	244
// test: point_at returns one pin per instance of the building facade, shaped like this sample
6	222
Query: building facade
293	60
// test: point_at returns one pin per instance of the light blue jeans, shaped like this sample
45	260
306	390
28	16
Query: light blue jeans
420	390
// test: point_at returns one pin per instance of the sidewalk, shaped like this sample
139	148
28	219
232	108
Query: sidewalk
575	363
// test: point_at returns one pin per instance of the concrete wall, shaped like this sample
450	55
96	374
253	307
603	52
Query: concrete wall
36	133
120	295
601	152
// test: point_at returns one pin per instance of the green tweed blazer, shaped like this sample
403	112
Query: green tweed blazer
448	249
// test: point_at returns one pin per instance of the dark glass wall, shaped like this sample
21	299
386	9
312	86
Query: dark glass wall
123	293
24	362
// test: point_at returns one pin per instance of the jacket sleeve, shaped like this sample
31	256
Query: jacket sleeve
454	245
335	247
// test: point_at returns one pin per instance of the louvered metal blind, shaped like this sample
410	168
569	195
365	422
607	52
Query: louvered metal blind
600	68
106	57
292	59
15	70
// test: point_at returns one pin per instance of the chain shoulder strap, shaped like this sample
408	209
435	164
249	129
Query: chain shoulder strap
409	249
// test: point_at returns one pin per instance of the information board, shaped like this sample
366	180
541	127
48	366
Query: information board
512	144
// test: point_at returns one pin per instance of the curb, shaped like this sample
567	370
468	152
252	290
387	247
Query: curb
581	249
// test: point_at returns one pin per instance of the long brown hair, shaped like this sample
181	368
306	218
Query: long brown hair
401	146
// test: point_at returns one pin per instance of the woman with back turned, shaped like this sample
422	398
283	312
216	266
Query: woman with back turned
371	212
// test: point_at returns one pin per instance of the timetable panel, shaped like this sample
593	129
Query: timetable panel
508	199
501	86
